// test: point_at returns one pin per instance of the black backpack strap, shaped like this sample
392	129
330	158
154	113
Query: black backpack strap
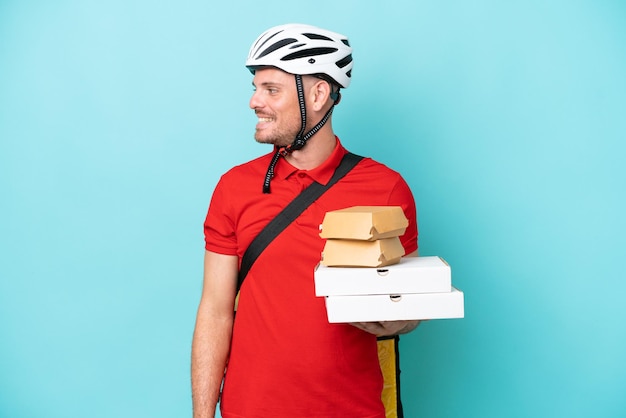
290	213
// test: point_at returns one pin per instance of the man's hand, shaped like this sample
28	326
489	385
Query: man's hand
386	328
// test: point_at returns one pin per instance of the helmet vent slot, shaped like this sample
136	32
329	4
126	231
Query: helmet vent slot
312	52
317	36
344	61
275	46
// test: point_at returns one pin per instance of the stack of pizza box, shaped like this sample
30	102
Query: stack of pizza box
364	277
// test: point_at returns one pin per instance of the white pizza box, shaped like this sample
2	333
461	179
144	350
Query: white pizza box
429	274
415	306
364	223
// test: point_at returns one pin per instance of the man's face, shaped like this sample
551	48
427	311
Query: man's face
275	102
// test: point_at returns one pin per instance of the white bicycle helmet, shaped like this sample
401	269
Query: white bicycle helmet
303	50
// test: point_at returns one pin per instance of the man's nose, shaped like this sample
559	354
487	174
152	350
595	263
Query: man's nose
255	101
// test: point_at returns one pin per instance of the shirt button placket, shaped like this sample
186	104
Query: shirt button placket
303	180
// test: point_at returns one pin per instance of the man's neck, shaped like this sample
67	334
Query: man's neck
317	149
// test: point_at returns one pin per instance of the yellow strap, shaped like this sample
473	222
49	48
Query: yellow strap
387	359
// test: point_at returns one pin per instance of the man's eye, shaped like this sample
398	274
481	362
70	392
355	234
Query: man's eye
272	91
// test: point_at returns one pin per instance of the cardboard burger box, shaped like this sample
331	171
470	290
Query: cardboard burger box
353	253
365	223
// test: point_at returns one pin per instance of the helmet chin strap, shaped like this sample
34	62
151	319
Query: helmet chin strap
301	137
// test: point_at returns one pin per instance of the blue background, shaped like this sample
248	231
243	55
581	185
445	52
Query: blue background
506	118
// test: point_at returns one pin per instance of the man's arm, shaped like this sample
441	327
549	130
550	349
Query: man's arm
212	335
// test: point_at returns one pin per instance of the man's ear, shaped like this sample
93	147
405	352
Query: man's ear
320	95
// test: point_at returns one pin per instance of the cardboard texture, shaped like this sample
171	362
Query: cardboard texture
364	223
353	253
409	275
417	306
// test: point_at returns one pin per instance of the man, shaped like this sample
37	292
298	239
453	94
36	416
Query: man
284	359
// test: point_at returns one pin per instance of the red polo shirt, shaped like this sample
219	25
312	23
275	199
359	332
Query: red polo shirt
286	360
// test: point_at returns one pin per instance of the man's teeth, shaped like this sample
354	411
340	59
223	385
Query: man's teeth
265	119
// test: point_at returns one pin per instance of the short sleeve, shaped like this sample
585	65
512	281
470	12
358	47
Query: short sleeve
401	195
219	226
